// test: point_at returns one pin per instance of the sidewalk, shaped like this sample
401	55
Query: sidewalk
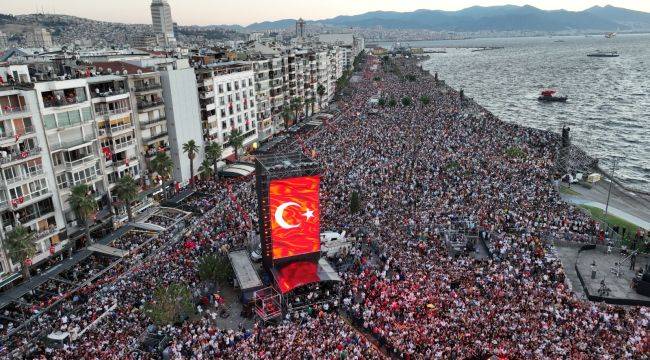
612	210
631	207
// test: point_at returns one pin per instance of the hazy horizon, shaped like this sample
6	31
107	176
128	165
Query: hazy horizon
209	12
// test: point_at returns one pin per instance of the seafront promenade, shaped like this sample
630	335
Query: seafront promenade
422	164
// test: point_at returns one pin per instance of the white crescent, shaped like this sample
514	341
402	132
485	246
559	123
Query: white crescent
279	212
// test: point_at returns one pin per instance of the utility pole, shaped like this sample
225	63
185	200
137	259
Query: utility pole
611	181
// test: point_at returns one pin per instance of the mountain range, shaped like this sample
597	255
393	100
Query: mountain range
492	18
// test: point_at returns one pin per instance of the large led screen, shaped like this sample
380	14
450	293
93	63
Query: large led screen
295	216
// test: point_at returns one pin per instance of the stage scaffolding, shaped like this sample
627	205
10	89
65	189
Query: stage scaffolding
268	303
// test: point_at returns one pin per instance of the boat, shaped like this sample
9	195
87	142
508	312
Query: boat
549	96
610	35
599	53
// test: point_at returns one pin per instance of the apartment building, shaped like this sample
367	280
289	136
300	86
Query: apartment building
115	120
265	128
183	115
27	186
72	143
228	102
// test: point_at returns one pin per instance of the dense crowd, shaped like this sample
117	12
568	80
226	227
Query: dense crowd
417	168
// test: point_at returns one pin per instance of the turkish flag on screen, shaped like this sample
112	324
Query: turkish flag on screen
295	216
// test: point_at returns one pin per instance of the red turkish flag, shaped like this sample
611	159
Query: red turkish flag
295	216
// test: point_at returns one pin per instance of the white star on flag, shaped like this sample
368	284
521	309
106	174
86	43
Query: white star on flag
308	214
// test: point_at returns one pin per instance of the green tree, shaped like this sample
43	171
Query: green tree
213	152
170	304
411	77
425	100
377	78
286	116
320	90
126	191
163	165
309	104
355	204
392	102
83	205
215	268
382	102
236	139
191	149
20	246
206	169
296	105
406	101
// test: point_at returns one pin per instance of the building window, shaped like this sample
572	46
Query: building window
49	121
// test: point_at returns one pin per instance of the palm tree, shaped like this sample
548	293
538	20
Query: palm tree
320	90
126	190
191	149
83	205
296	105
206	168
213	152
309	103
163	165
20	247
286	115
236	139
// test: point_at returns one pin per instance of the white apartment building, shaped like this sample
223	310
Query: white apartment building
163	25
27	186
72	141
228	102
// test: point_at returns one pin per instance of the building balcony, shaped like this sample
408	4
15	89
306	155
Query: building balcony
64	145
22	201
11	159
12	134
151	154
23	177
155	137
13	111
152	122
146	105
116	130
109	95
125	162
87	161
64	101
147	88
121	146
108	113
206	94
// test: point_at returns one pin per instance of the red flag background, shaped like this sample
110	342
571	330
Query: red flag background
293	231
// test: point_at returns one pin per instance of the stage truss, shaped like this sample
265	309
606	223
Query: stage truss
268	303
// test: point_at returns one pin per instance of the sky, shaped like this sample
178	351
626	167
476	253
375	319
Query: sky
244	12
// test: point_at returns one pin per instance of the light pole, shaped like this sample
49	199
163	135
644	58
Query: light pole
609	192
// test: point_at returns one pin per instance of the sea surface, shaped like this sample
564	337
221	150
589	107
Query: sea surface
609	98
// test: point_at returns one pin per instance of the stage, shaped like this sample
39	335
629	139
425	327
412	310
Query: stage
620	289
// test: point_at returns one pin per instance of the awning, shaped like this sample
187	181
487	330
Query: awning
107	250
299	273
238	169
9	279
244	271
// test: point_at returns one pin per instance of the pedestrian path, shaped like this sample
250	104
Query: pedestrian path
614	211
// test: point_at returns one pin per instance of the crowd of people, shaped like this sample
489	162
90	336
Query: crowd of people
417	167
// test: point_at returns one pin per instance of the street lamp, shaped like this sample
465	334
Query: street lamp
611	181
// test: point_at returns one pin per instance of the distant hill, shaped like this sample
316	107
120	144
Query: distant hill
492	18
